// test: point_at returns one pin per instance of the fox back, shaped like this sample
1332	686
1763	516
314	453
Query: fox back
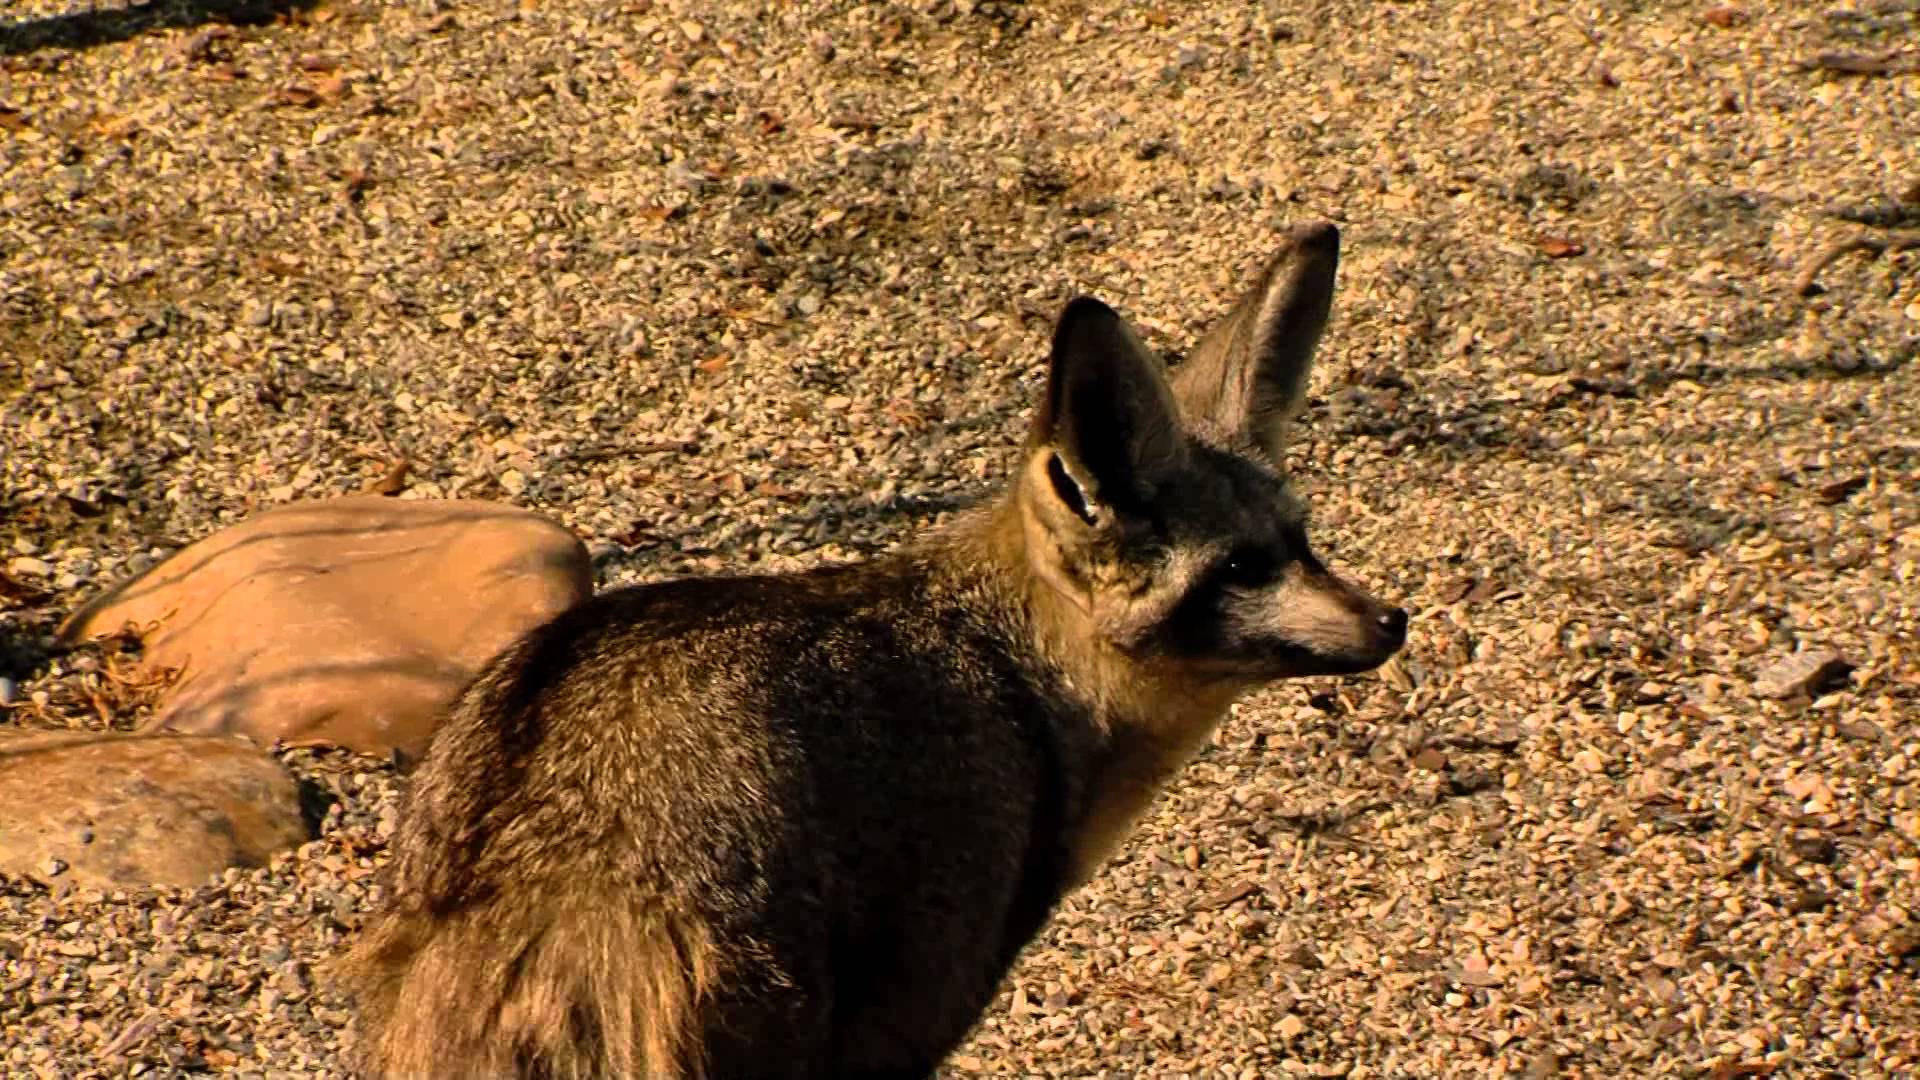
801	825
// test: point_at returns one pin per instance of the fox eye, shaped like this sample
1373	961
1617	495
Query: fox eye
1247	567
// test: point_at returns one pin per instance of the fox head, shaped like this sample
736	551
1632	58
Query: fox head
1159	507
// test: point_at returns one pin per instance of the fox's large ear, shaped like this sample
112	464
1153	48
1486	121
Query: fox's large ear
1247	378
1109	431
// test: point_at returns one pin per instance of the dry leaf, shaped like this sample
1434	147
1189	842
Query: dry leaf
1230	895
1726	16
283	263
907	413
299	95
316	63
393	481
853	122
12	119
113	126
1838	490
330	88
1483	590
1729	1070
752	316
1559	247
714	364
1891	62
307	94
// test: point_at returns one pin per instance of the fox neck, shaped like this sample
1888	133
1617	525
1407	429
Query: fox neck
1138	720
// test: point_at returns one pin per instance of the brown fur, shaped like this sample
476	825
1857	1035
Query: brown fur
800	826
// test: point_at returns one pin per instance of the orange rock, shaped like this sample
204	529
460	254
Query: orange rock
350	621
113	811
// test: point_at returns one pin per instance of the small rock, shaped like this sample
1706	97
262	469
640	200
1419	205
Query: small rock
1725	16
1902	944
9	691
114	811
1809	901
349	621
1814	849
28	566
1806	673
1835	491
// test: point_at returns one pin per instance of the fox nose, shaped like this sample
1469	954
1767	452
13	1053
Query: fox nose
1393	623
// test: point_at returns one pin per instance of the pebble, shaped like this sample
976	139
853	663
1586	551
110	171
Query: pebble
28	566
1801	673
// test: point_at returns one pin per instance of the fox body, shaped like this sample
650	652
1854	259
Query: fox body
801	825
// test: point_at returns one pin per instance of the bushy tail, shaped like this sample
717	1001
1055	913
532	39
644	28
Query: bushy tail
505	989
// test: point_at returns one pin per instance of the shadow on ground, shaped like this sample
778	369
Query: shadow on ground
86	29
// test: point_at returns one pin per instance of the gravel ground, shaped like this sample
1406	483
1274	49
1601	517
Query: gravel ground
721	289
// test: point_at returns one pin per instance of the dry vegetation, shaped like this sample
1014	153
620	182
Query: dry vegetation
723	288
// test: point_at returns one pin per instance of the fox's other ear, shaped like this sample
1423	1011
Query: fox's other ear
1247	378
1109	429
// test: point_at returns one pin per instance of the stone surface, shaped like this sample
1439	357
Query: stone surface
112	811
348	621
1801	673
